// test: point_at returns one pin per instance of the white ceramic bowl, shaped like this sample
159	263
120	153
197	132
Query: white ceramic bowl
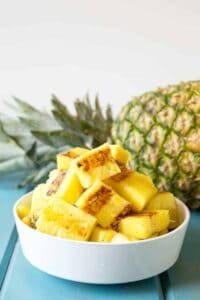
101	263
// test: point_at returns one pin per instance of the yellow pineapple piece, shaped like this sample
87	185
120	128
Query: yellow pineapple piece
65	185
23	211
164	231
159	233
119	154
39	200
27	220
144	225
96	164
64	220
102	235
106	205
154	235
64	159
134	187
52	228
53	173
165	200
119	238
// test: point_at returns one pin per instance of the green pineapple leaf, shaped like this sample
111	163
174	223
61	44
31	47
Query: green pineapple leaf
58	138
32	139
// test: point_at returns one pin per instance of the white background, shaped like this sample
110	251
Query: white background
117	48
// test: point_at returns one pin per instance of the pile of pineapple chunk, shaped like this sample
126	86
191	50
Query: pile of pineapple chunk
94	196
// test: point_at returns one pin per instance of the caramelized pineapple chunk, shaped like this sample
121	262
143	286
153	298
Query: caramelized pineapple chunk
64	159
23	211
134	187
97	164
119	238
102	235
93	196
102	202
165	200
65	185
119	154
64	220
144	225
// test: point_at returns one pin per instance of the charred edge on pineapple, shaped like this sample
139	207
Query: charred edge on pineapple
95	160
70	154
126	212
32	220
122	166
123	175
97	200
56	183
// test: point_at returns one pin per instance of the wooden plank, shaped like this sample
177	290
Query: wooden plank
8	195
23	281
183	279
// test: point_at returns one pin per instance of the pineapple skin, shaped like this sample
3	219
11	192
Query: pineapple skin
145	225
65	159
161	131
134	187
106	205
98	164
165	200
64	220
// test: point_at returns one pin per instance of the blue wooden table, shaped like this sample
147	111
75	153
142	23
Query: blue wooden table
19	280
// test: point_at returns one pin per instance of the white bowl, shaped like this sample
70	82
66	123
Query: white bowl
101	263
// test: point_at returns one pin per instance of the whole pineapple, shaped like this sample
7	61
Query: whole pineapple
161	130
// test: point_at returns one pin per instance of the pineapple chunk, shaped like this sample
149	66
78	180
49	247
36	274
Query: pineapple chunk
144	225
65	185
27	221
64	159
102	202
165	200
96	164
102	235
53	173
23	211
119	154
119	238
134	187
52	228
164	232
64	220
159	233
39	200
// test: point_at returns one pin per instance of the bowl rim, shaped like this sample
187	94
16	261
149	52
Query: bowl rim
105	244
